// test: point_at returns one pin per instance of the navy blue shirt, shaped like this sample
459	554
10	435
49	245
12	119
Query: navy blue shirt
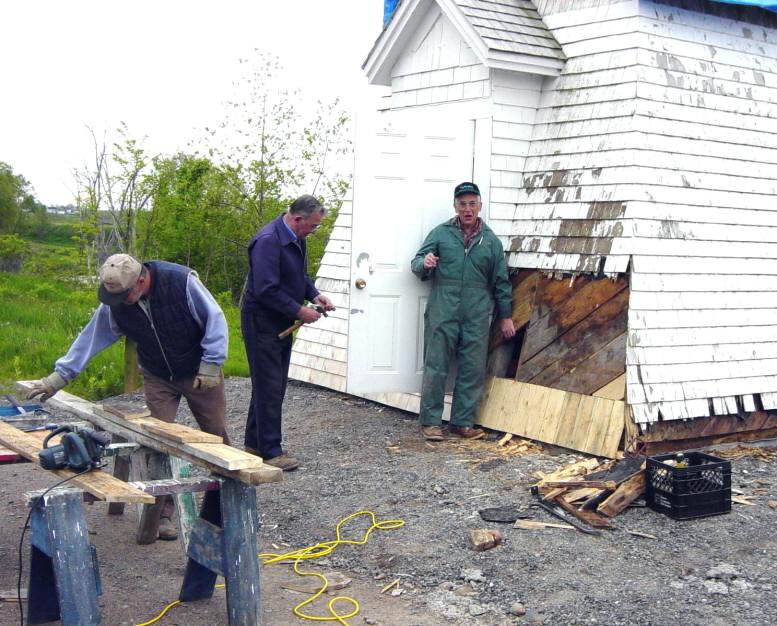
277	276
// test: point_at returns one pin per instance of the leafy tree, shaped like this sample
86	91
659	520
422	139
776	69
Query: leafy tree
16	200
113	186
267	151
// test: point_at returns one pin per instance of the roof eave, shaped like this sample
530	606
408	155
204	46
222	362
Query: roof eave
528	64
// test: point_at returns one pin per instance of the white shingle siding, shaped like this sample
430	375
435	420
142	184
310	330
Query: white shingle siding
665	116
320	351
706	90
437	67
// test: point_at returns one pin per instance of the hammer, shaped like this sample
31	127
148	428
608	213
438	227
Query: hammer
299	323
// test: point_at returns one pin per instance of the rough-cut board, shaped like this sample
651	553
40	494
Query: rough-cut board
175	432
101	485
584	423
624	495
223	455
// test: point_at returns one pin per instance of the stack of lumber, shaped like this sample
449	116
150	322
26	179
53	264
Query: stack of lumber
199	448
593	492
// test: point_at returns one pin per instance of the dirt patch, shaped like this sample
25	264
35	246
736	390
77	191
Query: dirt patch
357	455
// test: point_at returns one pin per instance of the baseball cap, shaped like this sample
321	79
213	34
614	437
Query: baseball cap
463	188
118	275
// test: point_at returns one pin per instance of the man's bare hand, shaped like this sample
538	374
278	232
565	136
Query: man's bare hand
430	261
325	302
507	327
308	315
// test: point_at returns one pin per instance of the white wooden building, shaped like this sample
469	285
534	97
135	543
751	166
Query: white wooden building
632	138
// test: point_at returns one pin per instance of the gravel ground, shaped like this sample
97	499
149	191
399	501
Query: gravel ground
356	455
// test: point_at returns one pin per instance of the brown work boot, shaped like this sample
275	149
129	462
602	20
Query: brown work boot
467	432
431	433
168	531
284	461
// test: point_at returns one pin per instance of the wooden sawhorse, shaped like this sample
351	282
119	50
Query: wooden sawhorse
64	577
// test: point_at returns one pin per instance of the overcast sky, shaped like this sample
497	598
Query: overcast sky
162	66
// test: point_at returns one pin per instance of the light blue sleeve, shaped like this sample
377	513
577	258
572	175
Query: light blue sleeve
209	316
98	334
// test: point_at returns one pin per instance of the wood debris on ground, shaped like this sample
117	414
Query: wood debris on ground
482	539
755	452
505	447
592	491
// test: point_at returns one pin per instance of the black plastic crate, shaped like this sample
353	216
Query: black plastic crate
700	489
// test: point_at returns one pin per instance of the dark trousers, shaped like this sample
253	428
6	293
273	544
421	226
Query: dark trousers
268	362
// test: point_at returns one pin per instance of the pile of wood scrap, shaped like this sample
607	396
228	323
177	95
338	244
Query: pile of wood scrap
741	451
593	492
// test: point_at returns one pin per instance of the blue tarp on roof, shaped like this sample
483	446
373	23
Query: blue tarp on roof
771	6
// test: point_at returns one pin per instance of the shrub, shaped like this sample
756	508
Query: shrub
12	251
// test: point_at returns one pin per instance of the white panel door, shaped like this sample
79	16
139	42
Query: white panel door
405	172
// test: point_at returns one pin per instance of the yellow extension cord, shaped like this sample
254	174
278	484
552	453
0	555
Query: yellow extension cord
314	552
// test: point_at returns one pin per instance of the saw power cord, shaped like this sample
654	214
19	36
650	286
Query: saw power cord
313	552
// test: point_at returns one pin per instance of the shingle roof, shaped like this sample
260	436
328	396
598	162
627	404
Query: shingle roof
511	26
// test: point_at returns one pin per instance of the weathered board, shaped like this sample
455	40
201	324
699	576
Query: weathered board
576	337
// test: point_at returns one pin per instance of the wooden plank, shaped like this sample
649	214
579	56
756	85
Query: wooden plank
567	420
614	390
603	423
578	435
101	485
531	407
553	413
624	495
584	339
9	456
550	415
605	365
177	432
134	432
583	493
567	306
594	484
589	517
222	455
204	445
127	415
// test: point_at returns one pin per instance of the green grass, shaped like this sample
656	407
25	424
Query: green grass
41	313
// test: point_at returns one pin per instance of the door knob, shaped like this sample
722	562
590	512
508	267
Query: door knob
360	283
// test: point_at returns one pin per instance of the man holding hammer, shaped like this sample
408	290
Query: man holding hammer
276	288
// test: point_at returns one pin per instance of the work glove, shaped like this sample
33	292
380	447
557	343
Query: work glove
47	387
208	377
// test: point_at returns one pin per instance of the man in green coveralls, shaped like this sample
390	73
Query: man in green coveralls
465	262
